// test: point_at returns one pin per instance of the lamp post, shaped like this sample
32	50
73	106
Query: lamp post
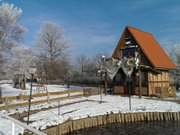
104	73
128	68
101	73
32	70
100	91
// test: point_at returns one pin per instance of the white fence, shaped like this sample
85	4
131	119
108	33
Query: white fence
15	122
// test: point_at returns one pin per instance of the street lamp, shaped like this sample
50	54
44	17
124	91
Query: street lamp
128	68
32	71
101	73
104	72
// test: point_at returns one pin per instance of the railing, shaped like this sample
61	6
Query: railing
16	122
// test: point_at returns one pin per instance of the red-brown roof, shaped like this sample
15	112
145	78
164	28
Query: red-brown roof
151	48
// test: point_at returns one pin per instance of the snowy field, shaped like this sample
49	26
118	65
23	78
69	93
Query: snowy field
178	94
45	105
92	108
6	125
79	110
8	90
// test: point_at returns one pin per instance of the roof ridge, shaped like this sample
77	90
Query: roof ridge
131	27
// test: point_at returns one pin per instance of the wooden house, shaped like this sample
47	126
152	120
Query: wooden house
153	78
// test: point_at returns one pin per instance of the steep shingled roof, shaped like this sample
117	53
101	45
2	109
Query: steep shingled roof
150	47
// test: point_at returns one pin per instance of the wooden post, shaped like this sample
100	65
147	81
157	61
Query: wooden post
59	113
105	83
23	82
13	128
1	96
140	77
140	83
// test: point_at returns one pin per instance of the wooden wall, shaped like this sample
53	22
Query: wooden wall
158	82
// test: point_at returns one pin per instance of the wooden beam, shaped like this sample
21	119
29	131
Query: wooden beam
140	77
140	83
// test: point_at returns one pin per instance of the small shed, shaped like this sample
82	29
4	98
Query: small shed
154	76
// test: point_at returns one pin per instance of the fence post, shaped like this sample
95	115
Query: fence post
13	128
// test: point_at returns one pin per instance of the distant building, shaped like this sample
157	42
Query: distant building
155	69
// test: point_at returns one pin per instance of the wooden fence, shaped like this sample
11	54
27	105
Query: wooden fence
90	122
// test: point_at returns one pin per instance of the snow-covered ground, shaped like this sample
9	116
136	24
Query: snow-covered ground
50	117
6	127
90	108
178	94
8	90
22	109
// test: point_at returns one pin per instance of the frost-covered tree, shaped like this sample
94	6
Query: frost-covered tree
52	46
22	59
20	62
12	31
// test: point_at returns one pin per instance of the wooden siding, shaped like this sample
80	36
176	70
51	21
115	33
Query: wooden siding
156	82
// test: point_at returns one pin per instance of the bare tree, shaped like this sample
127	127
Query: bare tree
52	45
51	41
86	70
176	73
82	62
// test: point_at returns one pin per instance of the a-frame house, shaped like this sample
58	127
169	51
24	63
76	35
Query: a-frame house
154	77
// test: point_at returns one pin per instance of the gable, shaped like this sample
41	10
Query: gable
149	46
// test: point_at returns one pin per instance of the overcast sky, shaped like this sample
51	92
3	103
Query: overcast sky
95	26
